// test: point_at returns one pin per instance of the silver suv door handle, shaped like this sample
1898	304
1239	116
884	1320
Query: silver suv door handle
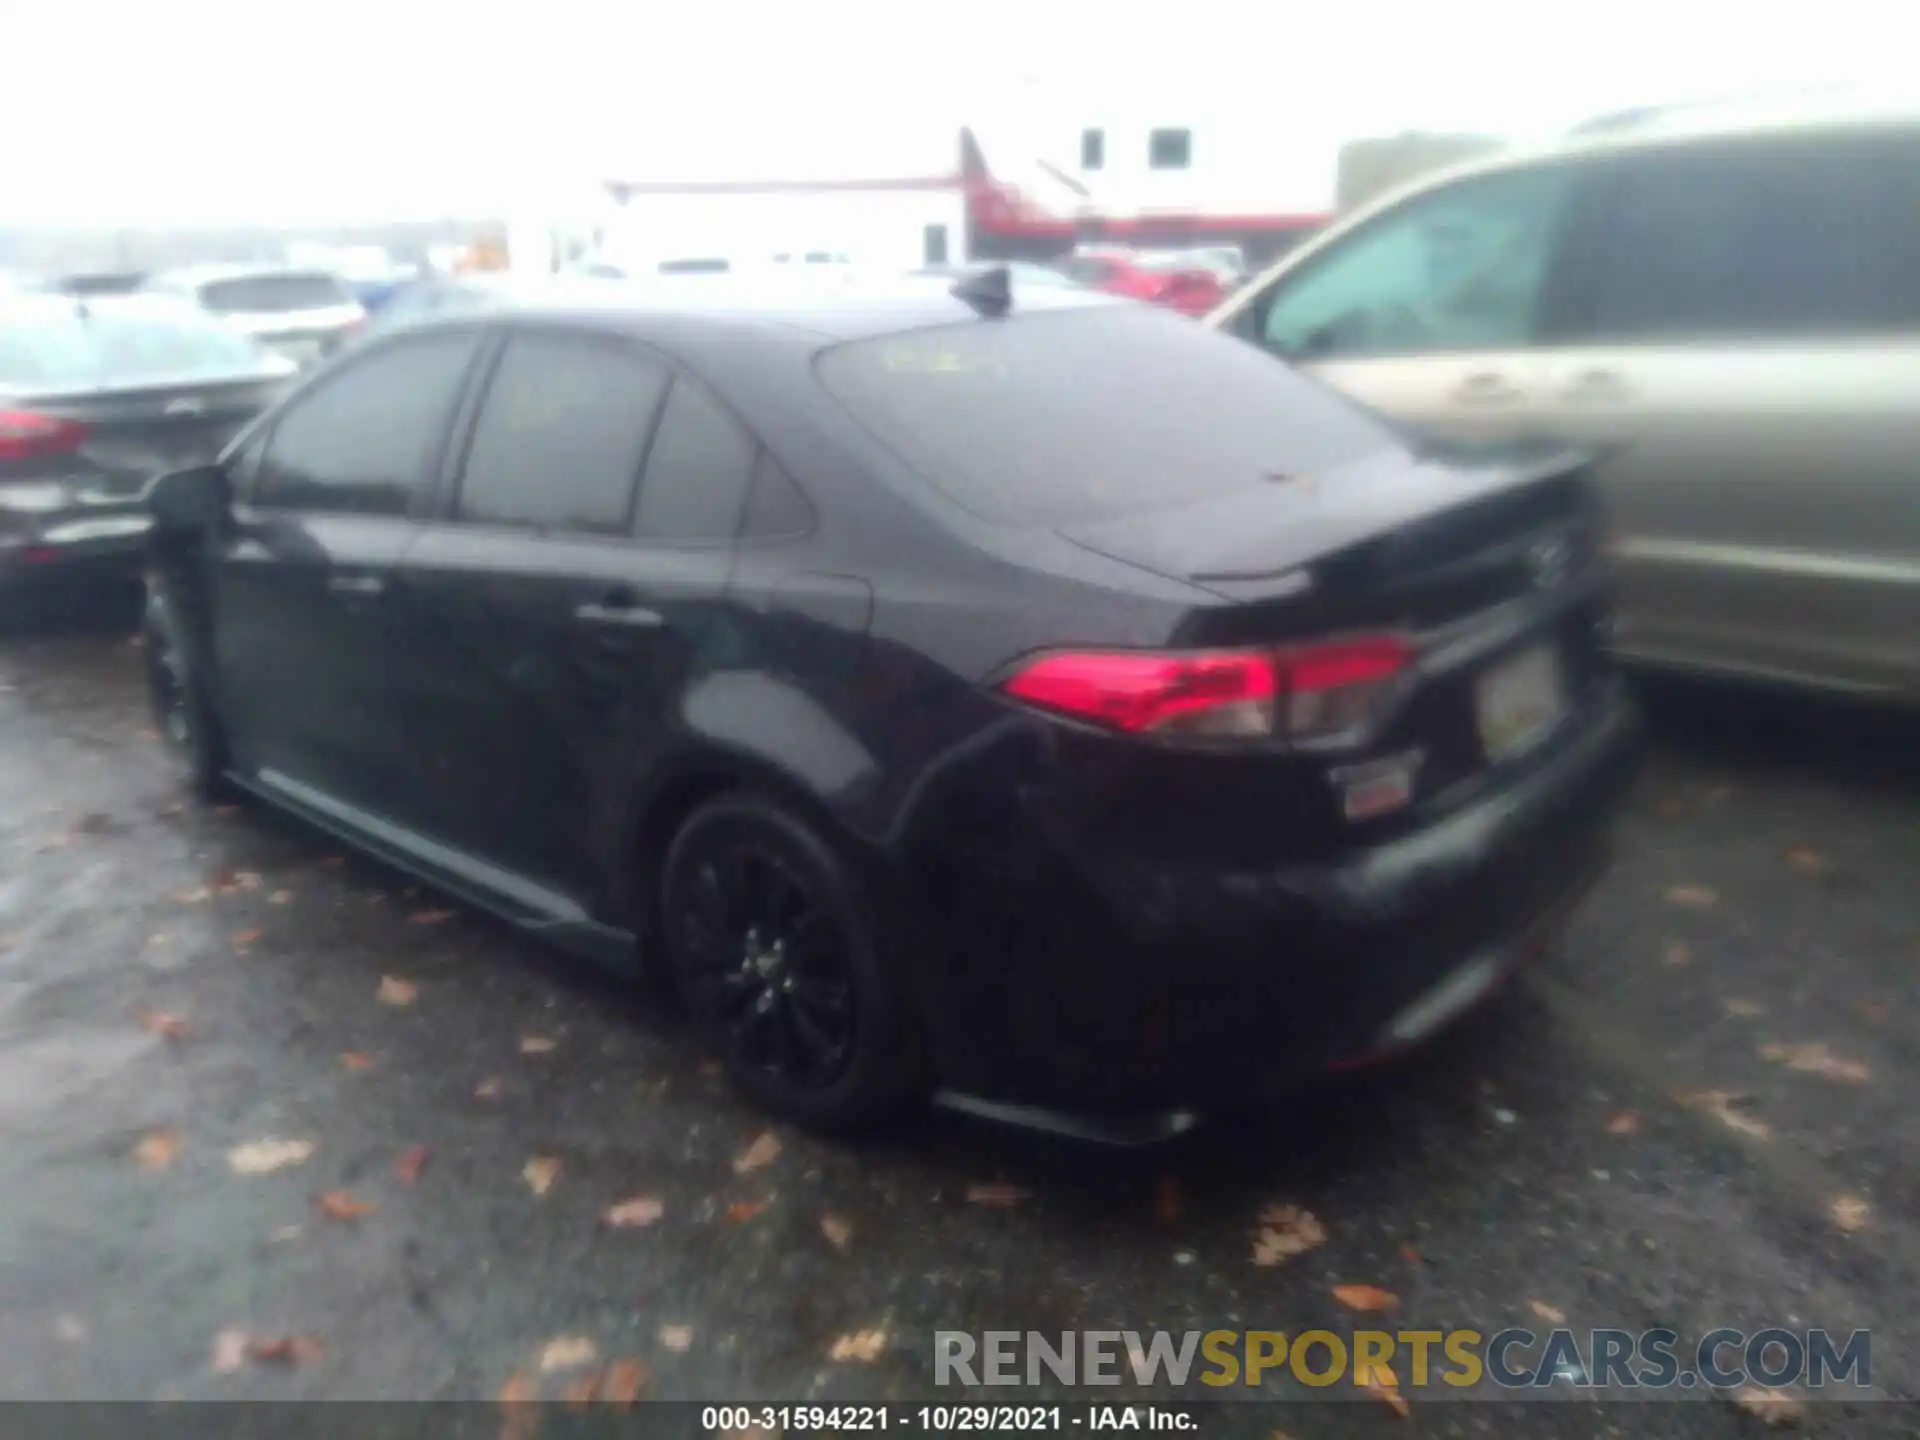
635	617
356	584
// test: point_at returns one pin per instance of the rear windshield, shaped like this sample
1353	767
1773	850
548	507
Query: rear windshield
1072	415
273	294
104	348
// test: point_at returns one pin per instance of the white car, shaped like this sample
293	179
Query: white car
301	312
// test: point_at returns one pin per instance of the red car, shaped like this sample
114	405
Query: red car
1169	280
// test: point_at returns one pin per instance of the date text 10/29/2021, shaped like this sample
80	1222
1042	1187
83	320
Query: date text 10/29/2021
942	1419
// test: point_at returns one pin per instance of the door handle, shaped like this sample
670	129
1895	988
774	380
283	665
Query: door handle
633	617
1596	385
1486	388
356	585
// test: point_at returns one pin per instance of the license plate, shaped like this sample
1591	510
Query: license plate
1519	700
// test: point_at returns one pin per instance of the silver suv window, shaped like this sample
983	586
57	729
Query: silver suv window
1461	268
1758	239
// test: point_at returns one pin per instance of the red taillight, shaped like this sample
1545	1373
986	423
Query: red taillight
1319	692
26	434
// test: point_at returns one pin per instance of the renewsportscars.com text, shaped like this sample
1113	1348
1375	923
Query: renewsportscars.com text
1510	1359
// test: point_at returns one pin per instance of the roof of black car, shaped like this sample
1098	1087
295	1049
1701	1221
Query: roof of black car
834	309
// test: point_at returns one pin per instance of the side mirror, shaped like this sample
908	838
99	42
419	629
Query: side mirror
187	501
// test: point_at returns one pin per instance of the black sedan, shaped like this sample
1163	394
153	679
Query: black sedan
1059	704
97	395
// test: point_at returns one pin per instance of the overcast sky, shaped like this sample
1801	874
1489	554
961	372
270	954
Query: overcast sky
212	111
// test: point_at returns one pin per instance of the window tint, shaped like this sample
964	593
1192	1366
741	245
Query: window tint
697	471
364	440
1170	149
775	506
1461	268
560	435
1762	239
1064	415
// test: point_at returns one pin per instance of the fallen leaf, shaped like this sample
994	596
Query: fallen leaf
516	1399
70	1328
285	1234
265	1156
1816	1059
1722	1106
1384	1386
1808	862
93	823
518	1390
408	1164
357	1060
623	1382
488	1089
168	1027
199	895
1849	1212
1166	1200
1774	1407
286	1350
1409	1254
431	917
762	1152
1365	1298
395	991
862	1345
568	1352
1744	1009
996	1195
677	1338
157	939
838	1230
244	938
157	1149
229	1351
631	1214
741	1210
1678	952
1549	1313
149	734
536	1045
1285	1231
1693	897
280	897
540	1172
580	1390
339	1205
1625	1123
1875	1010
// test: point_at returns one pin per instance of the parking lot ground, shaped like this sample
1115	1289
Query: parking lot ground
222	1040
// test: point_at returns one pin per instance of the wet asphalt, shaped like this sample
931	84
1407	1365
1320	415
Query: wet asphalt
1607	1141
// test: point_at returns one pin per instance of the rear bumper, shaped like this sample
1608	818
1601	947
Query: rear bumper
1133	985
73	565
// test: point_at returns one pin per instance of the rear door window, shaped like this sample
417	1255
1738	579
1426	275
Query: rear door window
366	439
1080	414
128	343
560	436
1759	239
274	294
698	471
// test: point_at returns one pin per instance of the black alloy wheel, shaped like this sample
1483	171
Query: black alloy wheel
773	952
180	712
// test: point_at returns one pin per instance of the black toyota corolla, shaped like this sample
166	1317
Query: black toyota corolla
1055	704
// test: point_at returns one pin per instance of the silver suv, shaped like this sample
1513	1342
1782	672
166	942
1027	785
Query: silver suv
1725	302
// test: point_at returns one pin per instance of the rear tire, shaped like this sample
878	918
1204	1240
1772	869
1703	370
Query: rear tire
182	713
777	950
